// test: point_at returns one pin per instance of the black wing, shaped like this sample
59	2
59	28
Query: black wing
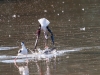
19	51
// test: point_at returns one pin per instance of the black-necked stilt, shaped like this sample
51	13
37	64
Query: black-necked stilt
22	51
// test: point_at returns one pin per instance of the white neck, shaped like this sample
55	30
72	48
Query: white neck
23	46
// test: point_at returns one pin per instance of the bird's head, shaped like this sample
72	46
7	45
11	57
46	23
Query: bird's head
22	43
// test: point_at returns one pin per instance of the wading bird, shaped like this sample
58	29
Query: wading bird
22	51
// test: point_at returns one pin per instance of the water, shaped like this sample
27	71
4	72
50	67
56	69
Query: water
75	25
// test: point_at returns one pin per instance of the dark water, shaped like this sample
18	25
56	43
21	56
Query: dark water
19	22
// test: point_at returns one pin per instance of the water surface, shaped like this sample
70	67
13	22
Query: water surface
19	22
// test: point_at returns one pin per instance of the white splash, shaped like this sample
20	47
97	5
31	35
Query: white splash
82	9
69	20
45	10
7	48
37	56
14	16
82	29
62	11
41	56
9	35
58	14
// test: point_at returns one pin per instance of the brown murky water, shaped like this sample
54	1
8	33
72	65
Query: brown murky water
19	22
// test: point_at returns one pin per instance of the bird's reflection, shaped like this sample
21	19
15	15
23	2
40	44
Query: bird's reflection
46	67
39	70
47	72
43	68
23	69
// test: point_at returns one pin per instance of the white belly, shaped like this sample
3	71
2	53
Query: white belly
44	29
